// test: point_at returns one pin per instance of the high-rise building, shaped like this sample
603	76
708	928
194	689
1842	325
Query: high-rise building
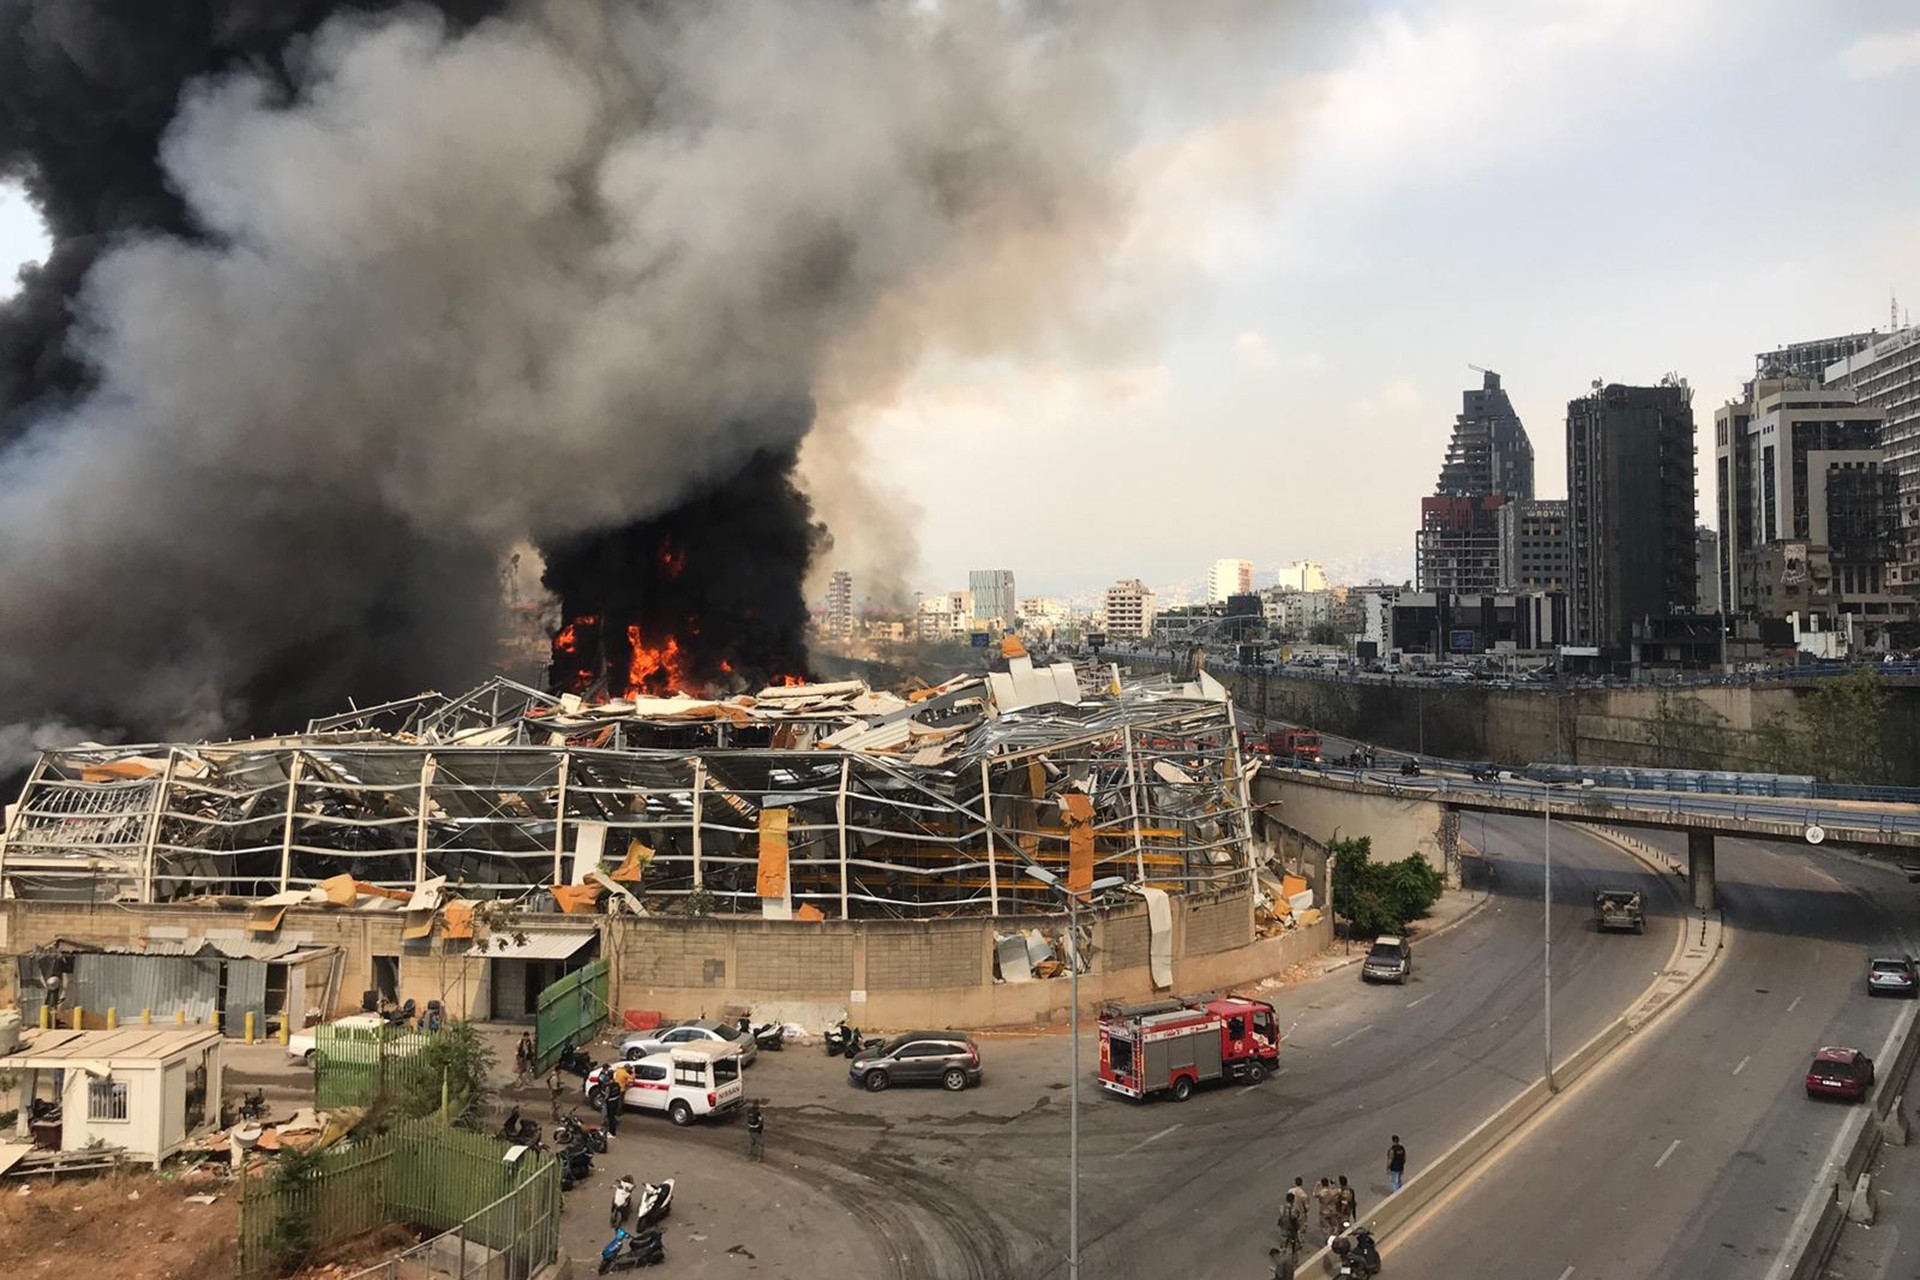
1809	360
1885	375
1535	553
1630	502
1303	575
1229	578
840	605
1706	568
1126	609
1489	464
946	616
1808	514
1490	452
993	598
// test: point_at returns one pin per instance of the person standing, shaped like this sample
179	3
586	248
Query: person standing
556	1089
613	1100
1349	1203
1328	1201
523	1059
1396	1162
756	1133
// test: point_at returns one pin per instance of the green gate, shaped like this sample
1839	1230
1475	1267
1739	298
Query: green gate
570	1012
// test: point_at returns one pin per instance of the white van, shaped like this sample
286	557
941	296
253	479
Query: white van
687	1082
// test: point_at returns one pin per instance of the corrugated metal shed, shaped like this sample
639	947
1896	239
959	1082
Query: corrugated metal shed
163	985
538	946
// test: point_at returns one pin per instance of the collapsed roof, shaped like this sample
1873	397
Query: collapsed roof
927	802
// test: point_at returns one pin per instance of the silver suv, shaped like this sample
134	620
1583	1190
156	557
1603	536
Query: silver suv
1391	960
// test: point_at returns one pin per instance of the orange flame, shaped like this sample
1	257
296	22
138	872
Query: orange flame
567	641
787	682
654	670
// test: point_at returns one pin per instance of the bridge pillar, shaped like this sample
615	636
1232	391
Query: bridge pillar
1700	868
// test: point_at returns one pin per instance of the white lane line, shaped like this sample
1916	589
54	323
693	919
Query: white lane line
1422	1000
1350	1035
1671	1148
1155	1138
1743	1064
1566	1273
1794	1005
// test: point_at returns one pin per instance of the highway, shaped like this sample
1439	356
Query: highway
974	1185
1690	1152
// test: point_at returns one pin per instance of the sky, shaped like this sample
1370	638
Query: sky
1559	191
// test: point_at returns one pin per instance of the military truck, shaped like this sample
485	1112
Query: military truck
1619	909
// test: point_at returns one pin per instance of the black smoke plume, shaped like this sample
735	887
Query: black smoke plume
347	302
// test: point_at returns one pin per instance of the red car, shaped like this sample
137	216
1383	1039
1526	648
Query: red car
1840	1073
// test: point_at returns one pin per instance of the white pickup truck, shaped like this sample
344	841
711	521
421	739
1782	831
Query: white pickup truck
687	1082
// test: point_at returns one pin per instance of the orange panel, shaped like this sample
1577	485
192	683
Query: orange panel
772	879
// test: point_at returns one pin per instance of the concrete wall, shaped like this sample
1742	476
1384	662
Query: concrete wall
1397	827
888	974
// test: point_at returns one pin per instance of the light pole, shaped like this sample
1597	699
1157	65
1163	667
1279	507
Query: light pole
1546	925
1054	883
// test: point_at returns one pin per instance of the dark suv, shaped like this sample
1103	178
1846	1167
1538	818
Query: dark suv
947	1058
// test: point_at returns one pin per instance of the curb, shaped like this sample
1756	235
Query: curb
1463	1159
1423	938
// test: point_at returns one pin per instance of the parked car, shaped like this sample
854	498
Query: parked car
1390	960
1893	976
643	1044
949	1059
687	1082
300	1044
1839	1072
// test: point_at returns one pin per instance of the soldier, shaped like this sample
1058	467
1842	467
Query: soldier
1328	1199
1349	1204
1293	1215
756	1132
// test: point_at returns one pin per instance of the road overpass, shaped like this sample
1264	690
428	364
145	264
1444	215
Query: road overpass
1320	800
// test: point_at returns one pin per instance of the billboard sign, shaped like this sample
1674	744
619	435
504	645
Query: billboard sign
1460	641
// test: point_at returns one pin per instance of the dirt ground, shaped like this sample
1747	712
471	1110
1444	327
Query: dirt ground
131	1226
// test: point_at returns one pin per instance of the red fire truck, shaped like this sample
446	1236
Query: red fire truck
1300	746
1172	1046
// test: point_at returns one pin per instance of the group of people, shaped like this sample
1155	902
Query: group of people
613	1100
1334	1200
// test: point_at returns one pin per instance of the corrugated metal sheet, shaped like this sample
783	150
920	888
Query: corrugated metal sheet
246	994
538	946
163	984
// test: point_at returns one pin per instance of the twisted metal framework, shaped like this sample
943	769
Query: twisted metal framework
502	795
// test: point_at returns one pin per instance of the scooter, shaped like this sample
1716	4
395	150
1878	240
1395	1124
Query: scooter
628	1252
576	1061
768	1035
521	1132
576	1166
1359	1255
842	1039
656	1202
622	1202
571	1132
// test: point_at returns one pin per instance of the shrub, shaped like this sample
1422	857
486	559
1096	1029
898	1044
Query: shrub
1381	897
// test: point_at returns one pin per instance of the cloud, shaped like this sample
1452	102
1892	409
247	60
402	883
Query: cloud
1882	54
1398	397
1253	351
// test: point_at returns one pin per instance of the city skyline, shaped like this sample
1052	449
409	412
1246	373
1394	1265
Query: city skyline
1336	246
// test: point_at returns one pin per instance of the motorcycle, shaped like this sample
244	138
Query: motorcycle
576	1062
622	1202
1359	1255
768	1035
521	1132
571	1132
576	1166
842	1039
627	1252
656	1202
1409	768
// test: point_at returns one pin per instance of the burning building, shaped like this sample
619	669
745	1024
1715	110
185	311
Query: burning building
833	799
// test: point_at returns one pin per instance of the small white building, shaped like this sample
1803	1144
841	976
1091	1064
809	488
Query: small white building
145	1089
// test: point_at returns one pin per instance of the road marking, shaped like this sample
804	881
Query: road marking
1350	1035
1743	1064
1794	1005
1422	1000
1155	1138
1671	1148
1566	1273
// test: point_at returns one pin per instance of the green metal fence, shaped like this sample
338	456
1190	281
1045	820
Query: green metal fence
354	1065
500	1221
569	1012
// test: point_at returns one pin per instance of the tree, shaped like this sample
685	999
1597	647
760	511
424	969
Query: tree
454	1064
1380	897
1325	631
1838	733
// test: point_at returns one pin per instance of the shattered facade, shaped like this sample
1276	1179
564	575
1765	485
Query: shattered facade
828	798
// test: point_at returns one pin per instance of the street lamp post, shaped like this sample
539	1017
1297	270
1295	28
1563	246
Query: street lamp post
1546	926
1054	883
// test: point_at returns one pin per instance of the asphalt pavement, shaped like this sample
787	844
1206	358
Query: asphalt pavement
1690	1152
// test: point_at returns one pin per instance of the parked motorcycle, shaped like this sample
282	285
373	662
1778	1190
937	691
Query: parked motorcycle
842	1039
1409	768
768	1035
627	1252
576	1166
622	1202
571	1132
655	1203
576	1061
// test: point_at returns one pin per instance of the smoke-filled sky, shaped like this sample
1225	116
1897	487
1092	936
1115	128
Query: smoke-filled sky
1089	291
